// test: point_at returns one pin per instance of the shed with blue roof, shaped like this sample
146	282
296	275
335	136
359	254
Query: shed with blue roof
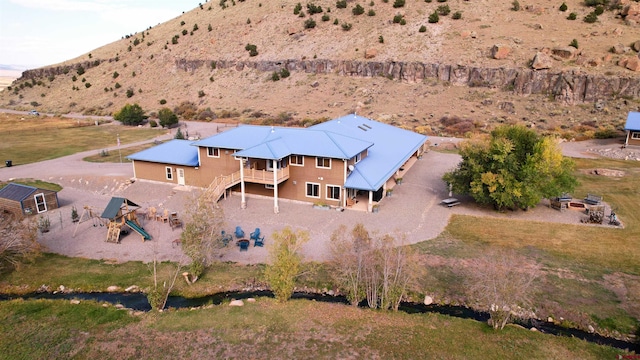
632	127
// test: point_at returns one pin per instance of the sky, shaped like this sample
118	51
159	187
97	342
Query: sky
36	33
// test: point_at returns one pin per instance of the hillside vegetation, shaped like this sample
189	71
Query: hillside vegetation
227	59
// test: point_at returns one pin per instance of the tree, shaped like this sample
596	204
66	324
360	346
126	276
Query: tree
18	240
514	168
130	115
202	236
179	135
167	117
348	257
285	262
501	282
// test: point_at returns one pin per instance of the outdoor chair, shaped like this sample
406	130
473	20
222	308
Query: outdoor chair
259	241
239	233
255	235
244	245
164	217
151	215
226	238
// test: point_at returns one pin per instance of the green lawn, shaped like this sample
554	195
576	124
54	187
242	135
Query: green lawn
43	138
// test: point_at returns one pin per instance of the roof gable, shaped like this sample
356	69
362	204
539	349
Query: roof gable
633	121
176	152
16	192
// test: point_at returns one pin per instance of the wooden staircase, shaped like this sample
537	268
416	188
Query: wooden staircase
221	183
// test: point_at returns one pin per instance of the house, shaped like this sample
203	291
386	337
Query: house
632	127
332	162
26	200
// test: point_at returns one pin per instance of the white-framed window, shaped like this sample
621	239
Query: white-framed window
323	162
213	152
169	172
333	192
635	135
313	190
357	158
41	204
296	160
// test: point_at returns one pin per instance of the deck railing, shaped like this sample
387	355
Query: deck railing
223	182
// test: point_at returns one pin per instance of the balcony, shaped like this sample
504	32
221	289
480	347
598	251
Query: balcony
265	176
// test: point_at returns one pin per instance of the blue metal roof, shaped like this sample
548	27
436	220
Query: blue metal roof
392	147
16	192
264	142
633	121
175	152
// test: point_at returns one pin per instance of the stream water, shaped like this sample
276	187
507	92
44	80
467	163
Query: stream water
138	301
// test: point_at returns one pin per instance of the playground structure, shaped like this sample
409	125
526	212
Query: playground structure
89	213
122	212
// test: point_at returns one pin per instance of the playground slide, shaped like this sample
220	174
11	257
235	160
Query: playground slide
138	229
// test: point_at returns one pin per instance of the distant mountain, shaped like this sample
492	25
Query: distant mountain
384	59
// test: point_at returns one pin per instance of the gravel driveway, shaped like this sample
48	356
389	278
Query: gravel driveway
413	213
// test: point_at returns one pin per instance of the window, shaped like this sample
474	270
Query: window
41	205
313	190
297	160
635	135
213	152
322	162
268	186
333	192
169	173
357	158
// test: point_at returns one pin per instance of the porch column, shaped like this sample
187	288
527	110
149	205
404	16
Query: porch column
275	187
626	140
370	205
243	201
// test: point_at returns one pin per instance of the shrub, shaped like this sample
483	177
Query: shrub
398	3
397	18
572	16
248	21
335	22
341	4
594	2
443	10
346	26
210	28
115	74
87	85
130	93
599	10
187	110
130	115
182	23
326	17
515	5
371	13
403	22
162	101
167	117
309	23
563	7
153	123
284	73
252	49
434	18
574	43
591	18
73	78
80	70
423	29
174	40
201	93
195	27
117	85
456	15
184	32
313	9
275	76
357	10
380	39
297	9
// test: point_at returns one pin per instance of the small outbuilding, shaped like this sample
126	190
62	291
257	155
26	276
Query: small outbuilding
632	127
26	200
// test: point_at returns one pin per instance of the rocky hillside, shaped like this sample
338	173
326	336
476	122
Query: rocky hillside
480	64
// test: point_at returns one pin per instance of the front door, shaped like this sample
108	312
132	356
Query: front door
180	176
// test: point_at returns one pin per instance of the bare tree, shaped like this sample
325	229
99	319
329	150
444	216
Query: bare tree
18	240
348	255
202	236
501	282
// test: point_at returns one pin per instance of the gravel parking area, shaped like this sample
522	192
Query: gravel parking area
412	214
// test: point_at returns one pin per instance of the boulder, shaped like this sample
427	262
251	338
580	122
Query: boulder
633	64
636	46
564	52
620	49
500	52
75	301
113	288
236	303
132	288
370	53
428	300
541	61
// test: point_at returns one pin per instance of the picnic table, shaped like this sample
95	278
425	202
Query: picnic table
450	202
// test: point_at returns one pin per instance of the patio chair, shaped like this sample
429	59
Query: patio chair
151	215
239	232
255	235
226	238
259	241
164	217
244	245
